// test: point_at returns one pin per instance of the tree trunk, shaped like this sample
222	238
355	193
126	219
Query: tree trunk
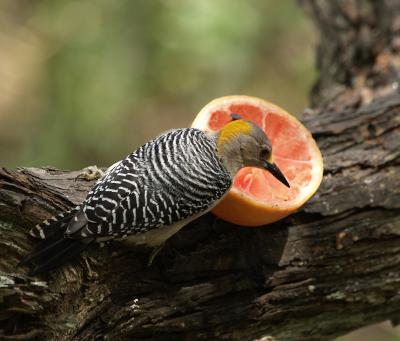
330	268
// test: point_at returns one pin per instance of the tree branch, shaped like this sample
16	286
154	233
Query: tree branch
215	280
326	270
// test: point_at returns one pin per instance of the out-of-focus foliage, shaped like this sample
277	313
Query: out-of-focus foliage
85	82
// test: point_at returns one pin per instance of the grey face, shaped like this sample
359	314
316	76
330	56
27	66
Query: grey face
255	151
255	148
250	150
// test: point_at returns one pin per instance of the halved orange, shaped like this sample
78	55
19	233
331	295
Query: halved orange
256	197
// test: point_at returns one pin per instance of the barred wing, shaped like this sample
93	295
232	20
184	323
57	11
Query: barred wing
169	179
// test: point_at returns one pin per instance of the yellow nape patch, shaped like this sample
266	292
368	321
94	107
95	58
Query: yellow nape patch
232	130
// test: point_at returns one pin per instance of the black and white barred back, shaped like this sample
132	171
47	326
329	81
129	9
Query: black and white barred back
171	178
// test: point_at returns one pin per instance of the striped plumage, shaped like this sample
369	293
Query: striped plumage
149	188
168	180
155	191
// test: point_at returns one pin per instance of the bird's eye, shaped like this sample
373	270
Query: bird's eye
264	154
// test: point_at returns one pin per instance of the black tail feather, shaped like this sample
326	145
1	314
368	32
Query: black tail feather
38	253
54	252
58	253
54	249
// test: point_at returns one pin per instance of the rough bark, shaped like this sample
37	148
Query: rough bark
358	54
330	268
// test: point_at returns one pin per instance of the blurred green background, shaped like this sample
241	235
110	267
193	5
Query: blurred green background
86	82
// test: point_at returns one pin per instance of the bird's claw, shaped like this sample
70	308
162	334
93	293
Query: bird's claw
154	254
90	173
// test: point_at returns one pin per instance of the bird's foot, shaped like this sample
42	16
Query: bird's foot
154	253
90	173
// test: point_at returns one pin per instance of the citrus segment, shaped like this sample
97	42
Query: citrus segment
286	138
257	197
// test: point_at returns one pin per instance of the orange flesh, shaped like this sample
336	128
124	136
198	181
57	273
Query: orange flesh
290	151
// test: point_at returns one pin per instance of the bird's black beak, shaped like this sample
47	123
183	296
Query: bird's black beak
276	172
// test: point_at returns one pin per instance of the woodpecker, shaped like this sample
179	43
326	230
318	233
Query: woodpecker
155	191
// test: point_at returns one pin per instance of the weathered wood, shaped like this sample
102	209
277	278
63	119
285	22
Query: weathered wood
289	280
326	270
358	54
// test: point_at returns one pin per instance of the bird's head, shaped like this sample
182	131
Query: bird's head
241	144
